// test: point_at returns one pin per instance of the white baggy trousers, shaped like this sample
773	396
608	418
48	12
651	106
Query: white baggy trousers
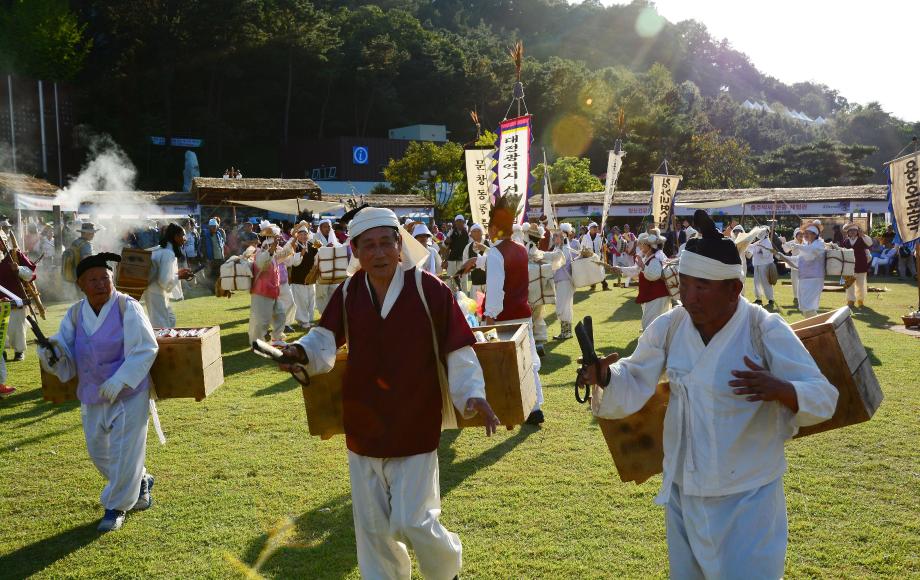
856	292
116	439
16	330
265	313
742	535
286	298
653	309
762	287
565	300
397	502
159	310
304	302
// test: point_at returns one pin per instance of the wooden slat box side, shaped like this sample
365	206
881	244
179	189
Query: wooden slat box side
636	442
832	341
184	368
188	367
133	272
507	369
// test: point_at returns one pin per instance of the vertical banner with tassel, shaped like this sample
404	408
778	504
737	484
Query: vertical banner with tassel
904	195
614	164
664	187
514	161
479	179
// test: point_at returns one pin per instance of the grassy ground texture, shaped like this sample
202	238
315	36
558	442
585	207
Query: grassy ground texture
534	503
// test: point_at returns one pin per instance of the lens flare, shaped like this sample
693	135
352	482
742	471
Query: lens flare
571	135
649	23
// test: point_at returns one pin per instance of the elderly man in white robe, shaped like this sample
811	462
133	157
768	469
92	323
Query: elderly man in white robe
106	341
761	254
810	261
166	285
741	385
393	401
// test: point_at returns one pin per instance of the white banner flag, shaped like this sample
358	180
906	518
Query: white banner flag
904	190
614	163
547	202
663	189
479	183
514	161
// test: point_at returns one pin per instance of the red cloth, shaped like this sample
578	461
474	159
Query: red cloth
9	273
267	281
649	290
859	250
517	281
391	396
543	246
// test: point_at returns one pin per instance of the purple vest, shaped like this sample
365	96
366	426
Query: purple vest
101	355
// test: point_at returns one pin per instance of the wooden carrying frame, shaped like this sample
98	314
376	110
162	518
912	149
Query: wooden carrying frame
635	442
332	268
507	367
132	275
541	288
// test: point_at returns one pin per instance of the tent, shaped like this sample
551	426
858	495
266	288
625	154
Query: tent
722	203
292	206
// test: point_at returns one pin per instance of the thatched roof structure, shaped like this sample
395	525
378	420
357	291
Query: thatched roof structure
768	194
214	191
13	183
396	200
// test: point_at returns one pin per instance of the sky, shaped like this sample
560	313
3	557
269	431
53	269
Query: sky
865	50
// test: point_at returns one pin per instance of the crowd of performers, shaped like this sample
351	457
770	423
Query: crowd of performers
741	383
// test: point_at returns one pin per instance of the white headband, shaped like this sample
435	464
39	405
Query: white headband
813	229
699	266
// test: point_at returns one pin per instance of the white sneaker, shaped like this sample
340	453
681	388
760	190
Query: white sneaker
111	521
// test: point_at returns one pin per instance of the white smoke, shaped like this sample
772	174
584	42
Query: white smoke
104	192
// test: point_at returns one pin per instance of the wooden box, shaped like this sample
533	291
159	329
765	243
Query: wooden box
185	368
635	442
832	340
507	367
132	275
671	279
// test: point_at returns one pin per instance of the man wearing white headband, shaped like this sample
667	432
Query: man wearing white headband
761	256
325	237
810	261
478	246
594	242
860	244
400	324
741	385
792	247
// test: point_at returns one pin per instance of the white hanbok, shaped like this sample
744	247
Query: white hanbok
164	288
396	501
811	275
761	258
723	454
793	249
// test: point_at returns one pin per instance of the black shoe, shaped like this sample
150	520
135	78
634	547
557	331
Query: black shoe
758	301
605	286
540	352
535	418
770	304
289	329
18	357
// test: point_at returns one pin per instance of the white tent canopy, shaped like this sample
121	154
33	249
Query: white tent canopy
293	206
721	203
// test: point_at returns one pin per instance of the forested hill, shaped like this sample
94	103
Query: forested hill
252	77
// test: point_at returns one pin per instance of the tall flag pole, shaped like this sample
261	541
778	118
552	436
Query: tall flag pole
547	202
904	200
514	140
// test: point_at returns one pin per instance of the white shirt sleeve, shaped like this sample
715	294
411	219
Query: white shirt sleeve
168	270
633	379
653	270
465	378
140	346
812	251
319	346
788	359
495	284
64	345
296	259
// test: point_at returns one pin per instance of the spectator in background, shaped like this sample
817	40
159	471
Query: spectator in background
340	234
907	266
29	240
212	247
838	235
192	244
247	237
44	249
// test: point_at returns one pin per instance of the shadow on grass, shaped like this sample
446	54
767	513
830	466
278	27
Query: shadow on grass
37	438
283	386
34	558
325	541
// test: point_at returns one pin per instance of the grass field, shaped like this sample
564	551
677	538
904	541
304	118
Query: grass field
529	503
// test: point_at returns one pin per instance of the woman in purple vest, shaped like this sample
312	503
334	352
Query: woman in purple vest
107	343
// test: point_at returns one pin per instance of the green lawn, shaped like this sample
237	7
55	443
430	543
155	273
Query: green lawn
530	503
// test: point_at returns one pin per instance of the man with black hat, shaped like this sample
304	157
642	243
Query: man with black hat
106	341
741	384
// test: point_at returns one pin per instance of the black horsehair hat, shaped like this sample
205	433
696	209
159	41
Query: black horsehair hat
712	244
100	260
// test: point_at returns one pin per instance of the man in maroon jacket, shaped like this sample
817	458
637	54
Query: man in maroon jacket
12	276
392	399
860	243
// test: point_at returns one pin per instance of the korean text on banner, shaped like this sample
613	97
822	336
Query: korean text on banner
479	183
614	163
663	189
904	189
514	161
